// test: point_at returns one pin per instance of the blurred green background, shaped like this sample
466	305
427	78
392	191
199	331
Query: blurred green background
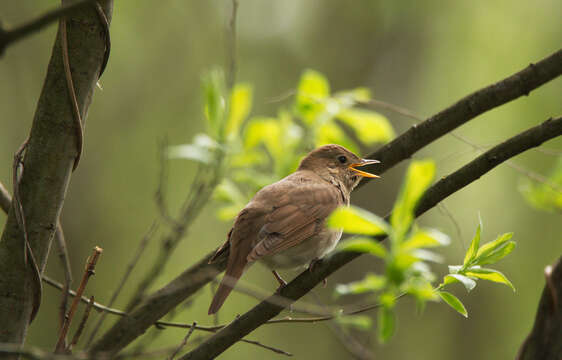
420	55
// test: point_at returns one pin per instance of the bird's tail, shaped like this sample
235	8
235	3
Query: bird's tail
233	273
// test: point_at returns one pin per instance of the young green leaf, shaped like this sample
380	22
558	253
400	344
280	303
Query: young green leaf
369	126
468	283
496	255
489	274
264	131
370	283
215	104
385	323
355	220
331	133
240	105
312	90
453	302
425	238
491	247
364	245
473	249
418	178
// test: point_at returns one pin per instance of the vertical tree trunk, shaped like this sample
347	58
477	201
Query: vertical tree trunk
48	163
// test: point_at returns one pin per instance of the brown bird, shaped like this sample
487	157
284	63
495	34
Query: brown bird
283	225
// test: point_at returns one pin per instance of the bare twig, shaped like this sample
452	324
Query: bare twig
231	46
72	94
29	257
138	253
82	324
184	341
160	324
7	37
88	271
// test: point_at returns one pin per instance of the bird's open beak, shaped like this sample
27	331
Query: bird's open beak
363	163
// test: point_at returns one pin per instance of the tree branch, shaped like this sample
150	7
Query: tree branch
307	280
404	146
49	158
7	37
545	340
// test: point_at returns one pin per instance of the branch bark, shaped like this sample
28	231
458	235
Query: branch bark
307	280
545	340
49	158
162	301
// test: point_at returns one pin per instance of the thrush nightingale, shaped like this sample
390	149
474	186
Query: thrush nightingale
284	224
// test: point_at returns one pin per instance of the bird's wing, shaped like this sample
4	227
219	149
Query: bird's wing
298	213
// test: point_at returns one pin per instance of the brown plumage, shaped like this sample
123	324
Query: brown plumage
283	225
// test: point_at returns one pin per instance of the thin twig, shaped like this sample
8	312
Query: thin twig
231	46
82	324
88	271
7	37
184	341
79	131
105	25
160	324
29	257
5	198
65	261
410	114
136	257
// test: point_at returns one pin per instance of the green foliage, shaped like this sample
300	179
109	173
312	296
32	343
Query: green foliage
261	150
407	257
546	196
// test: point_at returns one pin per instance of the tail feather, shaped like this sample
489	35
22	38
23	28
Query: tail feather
232	275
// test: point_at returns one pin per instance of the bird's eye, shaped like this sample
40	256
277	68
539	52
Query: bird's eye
342	159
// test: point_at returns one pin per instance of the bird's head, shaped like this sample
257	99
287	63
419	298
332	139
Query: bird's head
334	162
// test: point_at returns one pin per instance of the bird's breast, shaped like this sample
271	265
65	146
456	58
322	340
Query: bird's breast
313	248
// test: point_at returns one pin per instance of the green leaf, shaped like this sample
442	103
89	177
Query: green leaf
227	191
386	324
427	255
489	274
491	247
473	249
425	238
229	212
240	105
215	104
453	302
369	126
313	89
264	131
364	245
355	220
361	322
370	283
348	98
496	255
418	178
468	283
331	133
190	152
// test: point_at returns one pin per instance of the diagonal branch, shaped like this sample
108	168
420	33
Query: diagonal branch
307	280
7	37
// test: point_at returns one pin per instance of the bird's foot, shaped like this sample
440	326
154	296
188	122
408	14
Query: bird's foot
311	267
282	283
